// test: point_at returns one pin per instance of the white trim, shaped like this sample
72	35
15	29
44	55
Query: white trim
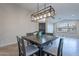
6	44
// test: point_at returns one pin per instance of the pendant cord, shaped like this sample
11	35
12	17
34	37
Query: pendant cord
44	5
37	6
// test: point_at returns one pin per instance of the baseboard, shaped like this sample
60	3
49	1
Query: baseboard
3	45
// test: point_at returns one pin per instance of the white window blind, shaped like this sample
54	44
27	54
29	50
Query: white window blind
49	28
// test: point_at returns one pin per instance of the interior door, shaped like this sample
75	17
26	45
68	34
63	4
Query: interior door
42	27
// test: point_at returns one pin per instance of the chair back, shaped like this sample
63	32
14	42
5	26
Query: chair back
29	34
60	48
21	46
35	33
49	34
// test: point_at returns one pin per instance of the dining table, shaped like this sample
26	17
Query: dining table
40	41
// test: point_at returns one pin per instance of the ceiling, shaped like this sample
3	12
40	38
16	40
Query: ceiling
63	10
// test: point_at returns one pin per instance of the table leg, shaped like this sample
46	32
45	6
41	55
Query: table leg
41	51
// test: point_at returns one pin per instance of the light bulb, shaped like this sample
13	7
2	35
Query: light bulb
37	17
41	16
44	15
34	18
49	14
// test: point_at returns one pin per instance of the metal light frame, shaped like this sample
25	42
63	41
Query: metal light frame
43	13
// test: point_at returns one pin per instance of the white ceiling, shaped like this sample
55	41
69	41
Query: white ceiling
63	10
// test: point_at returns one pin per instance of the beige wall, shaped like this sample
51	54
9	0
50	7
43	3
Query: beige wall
14	20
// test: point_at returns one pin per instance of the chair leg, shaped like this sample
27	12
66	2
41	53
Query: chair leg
37	53
43	53
47	54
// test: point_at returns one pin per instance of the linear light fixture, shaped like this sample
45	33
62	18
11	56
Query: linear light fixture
43	13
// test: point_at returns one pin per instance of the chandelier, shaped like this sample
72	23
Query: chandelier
43	13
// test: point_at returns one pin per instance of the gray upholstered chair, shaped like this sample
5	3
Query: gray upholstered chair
26	50
56	49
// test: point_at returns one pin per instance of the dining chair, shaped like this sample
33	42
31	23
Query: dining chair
28	50
55	50
35	32
29	34
49	34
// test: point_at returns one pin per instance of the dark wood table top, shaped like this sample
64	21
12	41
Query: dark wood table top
40	40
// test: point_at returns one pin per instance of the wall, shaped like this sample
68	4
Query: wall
14	21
